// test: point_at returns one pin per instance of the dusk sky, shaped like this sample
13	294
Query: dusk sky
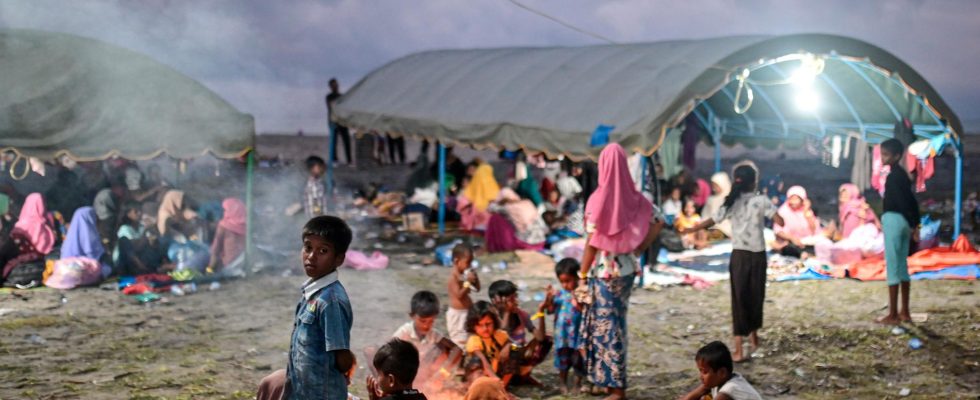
273	59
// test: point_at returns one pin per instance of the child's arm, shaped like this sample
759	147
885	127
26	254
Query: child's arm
473	279
487	367
698	393
707	223
652	235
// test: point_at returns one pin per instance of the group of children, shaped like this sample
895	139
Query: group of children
497	345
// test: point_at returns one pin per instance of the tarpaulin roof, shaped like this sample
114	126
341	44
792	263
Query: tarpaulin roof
551	99
64	94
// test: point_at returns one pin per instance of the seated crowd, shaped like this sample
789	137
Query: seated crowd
122	223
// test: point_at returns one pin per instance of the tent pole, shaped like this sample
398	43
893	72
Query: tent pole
959	188
643	187
442	187
249	204
332	150
717	138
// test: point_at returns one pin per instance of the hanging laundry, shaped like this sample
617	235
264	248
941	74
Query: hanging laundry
835	150
861	171
670	152
692	133
923	169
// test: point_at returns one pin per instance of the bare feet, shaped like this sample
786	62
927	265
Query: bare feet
905	316
888	320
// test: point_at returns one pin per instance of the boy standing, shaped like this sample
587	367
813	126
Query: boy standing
899	224
717	379
461	282
323	322
315	194
395	365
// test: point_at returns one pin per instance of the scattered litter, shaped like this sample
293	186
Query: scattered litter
176	290
539	296
36	339
214	286
430	243
904	392
690	328
415	266
799	372
360	261
5	311
920	317
378	246
64	300
146	298
898	330
915	343
402	239
371	235
501	265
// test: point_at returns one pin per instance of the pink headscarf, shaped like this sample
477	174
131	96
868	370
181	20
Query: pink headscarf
620	214
704	190
794	221
850	209
33	224
233	218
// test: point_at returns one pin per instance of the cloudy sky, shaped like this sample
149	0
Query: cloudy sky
273	58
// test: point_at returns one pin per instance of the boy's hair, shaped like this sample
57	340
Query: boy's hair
716	355
502	288
313	161
398	358
425	304
332	229
567	266
461	250
479	310
345	361
893	146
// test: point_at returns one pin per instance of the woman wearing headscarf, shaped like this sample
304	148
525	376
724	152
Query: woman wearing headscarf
620	223
799	224
81	262
473	201
228	248
854	211
83	238
514	224
527	187
32	236
721	186
175	213
703	192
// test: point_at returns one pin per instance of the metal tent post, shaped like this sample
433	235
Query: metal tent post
331	151
249	205
958	144
442	187
716	136
643	187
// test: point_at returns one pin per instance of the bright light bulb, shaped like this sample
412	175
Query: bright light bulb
807	100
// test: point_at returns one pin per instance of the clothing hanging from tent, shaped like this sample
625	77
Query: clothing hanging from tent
692	132
861	171
670	152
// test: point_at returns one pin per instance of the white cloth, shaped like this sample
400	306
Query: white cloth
672	207
737	388
311	287
748	216
423	344
456	326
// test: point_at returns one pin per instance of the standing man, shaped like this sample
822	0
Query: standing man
338	130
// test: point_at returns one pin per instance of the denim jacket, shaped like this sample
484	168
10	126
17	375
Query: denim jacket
322	326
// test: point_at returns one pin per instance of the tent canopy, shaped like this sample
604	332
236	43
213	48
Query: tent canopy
66	95
551	99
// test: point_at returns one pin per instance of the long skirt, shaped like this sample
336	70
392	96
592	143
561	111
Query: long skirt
748	280
501	236
604	332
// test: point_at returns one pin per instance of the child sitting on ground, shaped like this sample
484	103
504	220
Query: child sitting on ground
434	349
516	322
672	205
567	356
488	347
462	280
395	366
690	218
714	363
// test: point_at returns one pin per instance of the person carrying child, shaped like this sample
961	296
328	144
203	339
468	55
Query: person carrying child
517	323
394	368
899	223
434	349
462	281
718	378
488	347
747	209
319	351
568	315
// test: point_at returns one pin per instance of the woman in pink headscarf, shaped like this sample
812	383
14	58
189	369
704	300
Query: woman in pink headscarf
800	223
228	248
854	211
32	234
620	224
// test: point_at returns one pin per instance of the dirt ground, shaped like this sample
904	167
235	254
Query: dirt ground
819	339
